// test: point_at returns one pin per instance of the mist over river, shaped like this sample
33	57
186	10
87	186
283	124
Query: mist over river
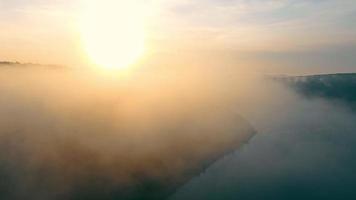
176	134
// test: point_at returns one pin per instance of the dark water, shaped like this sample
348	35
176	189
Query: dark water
303	150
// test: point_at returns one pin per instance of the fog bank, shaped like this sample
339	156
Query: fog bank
68	134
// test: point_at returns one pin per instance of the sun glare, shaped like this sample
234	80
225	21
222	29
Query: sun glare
113	33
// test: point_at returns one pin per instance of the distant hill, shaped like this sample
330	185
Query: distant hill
337	87
18	64
9	63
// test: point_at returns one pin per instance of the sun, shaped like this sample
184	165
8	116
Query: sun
112	32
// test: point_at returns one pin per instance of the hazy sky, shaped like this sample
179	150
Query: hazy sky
276	36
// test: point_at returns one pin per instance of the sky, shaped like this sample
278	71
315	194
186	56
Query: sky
272	36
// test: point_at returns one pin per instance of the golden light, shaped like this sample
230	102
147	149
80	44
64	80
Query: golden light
113	32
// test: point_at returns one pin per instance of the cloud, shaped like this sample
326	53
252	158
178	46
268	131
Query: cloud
257	25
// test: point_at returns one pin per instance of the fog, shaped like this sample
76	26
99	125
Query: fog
70	134
151	134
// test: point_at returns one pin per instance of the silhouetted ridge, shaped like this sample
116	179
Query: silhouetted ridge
340	87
